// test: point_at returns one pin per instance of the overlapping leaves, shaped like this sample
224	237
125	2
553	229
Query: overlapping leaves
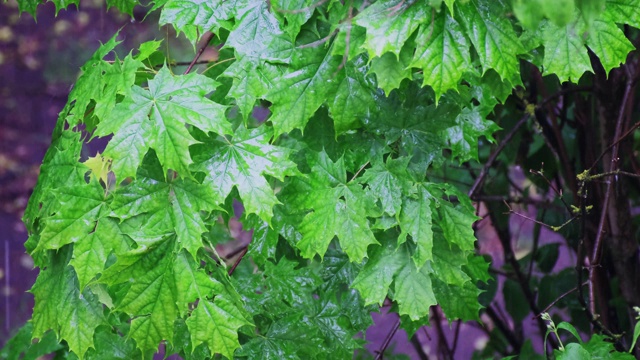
364	99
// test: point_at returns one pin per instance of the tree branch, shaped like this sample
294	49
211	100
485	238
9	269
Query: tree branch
387	340
485	169
199	53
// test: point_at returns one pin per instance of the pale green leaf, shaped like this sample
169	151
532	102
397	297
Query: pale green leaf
60	306
390	23
90	254
150	297
390	71
243	162
565	54
456	224
300	91
442	52
216	324
79	207
413	291
492	36
156	118
416	220
609	43
376	276
354	98
623	12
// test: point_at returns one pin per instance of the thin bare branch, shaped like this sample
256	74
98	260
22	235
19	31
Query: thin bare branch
205	44
485	169
387	340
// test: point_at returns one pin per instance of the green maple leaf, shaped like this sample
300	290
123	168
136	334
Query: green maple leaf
456	223
623	12
191	282
387	182
564	52
243	162
338	208
442	51
292	285
413	291
264	240
449	262
179	200
125	6
416	220
250	82
376	276
609	43
458	301
335	328
216	324
90	84
21	346
258	36
354	99
59	305
60	168
294	14
103	83
391	70
79	207
337	270
158	284
90	254
280	341
389	24
187	15
118	80
492	36
156	119
109	346
302	90
470	126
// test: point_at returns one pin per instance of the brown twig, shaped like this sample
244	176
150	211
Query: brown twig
561	297
555	190
550	227
597	248
235	264
485	169
199	53
387	340
564	92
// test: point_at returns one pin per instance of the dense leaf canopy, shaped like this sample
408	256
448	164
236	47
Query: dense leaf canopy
367	101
